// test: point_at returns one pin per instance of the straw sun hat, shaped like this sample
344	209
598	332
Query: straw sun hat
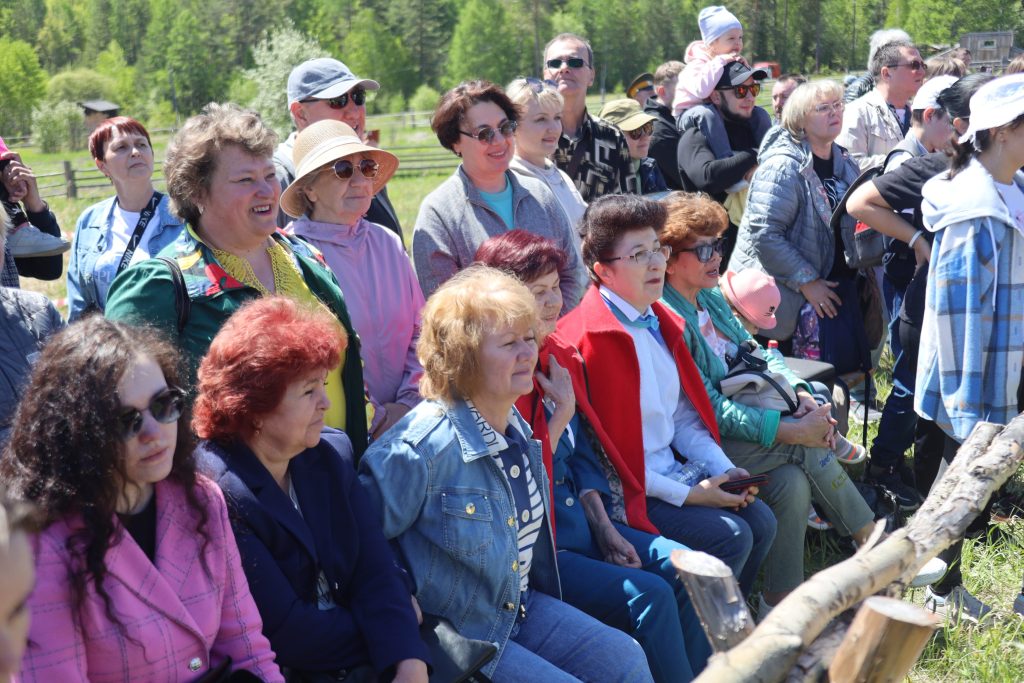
323	143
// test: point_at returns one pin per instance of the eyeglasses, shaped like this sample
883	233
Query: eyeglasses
916	65
486	134
742	90
826	108
703	252
166	407
571	62
643	257
358	96
538	86
643	130
343	168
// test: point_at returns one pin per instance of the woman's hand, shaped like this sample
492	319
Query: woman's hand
615	549
820	296
411	671
813	429
807	404
557	386
709	494
21	183
922	251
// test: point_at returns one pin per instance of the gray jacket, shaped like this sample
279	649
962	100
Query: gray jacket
454	220
785	230
27	319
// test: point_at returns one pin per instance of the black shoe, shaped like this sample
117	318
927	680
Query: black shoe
890	478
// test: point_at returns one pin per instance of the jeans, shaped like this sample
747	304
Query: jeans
740	538
650	603
557	643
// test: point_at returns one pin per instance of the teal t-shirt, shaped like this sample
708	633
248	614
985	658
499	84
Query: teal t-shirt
501	202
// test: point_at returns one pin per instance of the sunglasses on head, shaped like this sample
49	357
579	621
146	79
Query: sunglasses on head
704	252
343	168
742	90
637	133
486	134
538	85
571	62
358	96
166	407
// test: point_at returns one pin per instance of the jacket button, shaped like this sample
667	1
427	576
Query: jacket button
508	607
515	565
511	521
514	471
470	508
569	502
195	664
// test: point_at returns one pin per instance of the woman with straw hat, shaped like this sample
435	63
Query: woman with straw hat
336	178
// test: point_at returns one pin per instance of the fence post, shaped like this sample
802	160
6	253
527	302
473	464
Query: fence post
69	181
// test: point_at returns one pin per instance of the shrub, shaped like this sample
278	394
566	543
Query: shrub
59	127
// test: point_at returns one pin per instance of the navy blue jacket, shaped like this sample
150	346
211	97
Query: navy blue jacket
337	533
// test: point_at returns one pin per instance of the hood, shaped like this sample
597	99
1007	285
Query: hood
971	194
696	50
778	142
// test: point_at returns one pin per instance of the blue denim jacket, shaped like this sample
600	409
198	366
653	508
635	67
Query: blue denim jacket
87	284
450	508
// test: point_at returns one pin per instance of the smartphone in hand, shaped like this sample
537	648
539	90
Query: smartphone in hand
741	485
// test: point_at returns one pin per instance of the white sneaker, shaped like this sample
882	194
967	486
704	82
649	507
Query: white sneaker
30	241
816	521
933	570
959	604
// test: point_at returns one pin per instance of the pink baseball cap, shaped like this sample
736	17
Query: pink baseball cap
754	294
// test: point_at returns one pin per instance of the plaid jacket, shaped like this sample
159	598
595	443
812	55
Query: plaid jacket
972	337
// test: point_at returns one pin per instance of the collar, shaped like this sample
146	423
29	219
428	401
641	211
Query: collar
624	306
332	233
476	436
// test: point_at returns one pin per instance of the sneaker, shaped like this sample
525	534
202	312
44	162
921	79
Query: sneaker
816	521
933	570
959	604
889	478
849	453
30	241
1018	605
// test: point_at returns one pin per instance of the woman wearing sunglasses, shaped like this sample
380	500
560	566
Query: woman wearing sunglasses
138	575
637	127
336	178
477	121
221	179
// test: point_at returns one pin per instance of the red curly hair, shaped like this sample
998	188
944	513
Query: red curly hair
267	344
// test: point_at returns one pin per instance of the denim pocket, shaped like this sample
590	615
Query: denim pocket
466	521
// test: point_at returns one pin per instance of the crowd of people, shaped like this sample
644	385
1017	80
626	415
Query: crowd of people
271	444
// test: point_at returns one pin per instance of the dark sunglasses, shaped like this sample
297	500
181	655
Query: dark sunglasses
343	168
572	62
486	134
704	252
166	407
643	130
358	96
742	90
916	65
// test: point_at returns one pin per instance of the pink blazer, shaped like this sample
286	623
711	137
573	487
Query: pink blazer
175	620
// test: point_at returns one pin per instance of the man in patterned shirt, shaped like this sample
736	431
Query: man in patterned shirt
593	153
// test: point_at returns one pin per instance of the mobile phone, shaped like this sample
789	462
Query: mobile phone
741	485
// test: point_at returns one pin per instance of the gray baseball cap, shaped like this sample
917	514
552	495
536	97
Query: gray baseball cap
323	79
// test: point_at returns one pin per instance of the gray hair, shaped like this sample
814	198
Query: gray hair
883	36
803	101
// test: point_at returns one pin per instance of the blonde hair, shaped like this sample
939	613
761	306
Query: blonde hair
522	94
803	101
455	320
193	153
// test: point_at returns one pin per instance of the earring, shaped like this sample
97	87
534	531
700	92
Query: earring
200	208
257	428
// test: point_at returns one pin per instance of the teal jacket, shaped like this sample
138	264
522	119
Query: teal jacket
144	294
735	420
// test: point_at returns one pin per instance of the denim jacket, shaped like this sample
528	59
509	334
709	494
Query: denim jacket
87	285
448	504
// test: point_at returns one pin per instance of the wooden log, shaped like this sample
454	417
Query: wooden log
985	461
884	641
716	598
813	663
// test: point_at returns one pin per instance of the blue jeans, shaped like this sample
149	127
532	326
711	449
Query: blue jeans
650	603
740	538
557	643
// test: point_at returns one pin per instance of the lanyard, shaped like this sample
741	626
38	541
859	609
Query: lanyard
140	228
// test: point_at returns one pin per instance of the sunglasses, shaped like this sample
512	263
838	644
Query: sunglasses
742	90
166	407
637	133
571	62
358	96
704	252
538	86
486	134
916	65
343	168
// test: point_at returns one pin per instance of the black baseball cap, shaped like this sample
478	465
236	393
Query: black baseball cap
737	73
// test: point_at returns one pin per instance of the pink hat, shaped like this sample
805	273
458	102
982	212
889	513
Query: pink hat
754	294
3	146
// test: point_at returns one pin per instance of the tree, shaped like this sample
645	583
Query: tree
274	58
23	84
77	85
425	28
21	19
373	53
60	39
112	64
127	24
481	45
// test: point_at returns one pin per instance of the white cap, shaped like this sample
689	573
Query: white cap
996	103
927	96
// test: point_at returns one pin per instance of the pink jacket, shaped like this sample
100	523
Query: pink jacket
699	78
175	620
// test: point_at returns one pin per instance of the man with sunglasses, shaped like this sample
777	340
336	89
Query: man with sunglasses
592	152
637	125
878	121
326	89
720	138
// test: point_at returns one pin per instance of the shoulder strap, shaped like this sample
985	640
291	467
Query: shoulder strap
182	304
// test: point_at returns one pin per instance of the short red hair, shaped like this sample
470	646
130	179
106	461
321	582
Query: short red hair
266	345
523	254
101	136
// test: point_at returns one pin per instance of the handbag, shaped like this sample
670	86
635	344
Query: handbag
751	382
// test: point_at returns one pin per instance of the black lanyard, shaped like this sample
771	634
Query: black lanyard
140	228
